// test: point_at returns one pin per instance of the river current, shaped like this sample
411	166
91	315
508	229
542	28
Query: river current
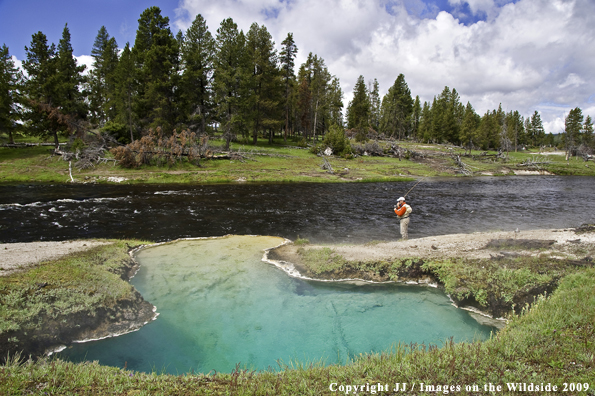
334	213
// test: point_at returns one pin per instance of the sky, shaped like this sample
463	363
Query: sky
528	55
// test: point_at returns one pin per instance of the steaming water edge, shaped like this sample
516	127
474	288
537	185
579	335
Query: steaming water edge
220	304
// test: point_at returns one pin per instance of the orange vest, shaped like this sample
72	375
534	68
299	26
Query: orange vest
401	210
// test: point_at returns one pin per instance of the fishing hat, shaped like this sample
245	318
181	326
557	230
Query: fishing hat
400	199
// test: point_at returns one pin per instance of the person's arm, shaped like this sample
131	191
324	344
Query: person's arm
400	210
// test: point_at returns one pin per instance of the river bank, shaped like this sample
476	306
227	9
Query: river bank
495	273
550	343
57	293
283	163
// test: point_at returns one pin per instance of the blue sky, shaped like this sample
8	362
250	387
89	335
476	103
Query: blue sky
20	19
526	54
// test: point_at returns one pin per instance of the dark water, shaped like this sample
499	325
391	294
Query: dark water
320	212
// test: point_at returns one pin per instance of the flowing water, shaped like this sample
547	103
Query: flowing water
342	213
219	305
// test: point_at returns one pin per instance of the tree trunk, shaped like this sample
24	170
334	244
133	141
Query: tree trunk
315	117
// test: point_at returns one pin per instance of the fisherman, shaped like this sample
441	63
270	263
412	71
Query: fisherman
403	211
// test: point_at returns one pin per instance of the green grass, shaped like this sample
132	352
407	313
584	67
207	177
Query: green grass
79	282
284	163
552	343
497	286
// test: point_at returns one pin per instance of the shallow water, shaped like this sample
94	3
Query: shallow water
220	305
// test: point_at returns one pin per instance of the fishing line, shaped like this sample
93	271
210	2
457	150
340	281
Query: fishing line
404	196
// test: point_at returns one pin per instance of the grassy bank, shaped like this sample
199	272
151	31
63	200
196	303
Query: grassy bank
287	163
550	344
58	301
498	286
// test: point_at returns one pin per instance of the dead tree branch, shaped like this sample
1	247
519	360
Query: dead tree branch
327	166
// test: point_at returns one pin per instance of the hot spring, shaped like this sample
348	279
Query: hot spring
220	305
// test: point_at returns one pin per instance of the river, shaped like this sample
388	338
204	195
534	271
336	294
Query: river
331	213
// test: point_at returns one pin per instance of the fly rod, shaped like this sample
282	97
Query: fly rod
404	196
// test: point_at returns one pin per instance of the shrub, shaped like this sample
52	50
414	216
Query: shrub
337	141
118	131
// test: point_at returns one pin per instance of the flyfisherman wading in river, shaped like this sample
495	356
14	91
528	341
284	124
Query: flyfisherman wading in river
403	211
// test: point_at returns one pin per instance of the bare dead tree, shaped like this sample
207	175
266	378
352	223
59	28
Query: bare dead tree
327	165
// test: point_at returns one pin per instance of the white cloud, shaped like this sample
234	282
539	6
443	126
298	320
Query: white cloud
524	55
573	80
86	60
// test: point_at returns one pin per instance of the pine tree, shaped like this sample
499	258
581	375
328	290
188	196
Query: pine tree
263	83
447	116
318	79
572	131
335	100
10	90
198	53
287	57
489	130
396	110
515	128
537	129
228	64
534	130
587	133
469	135
358	110
40	87
424	132
70	79
374	105
102	80
415	117
155	52
126	92
304	105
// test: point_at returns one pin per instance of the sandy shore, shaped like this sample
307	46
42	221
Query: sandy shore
560	242
456	245
15	256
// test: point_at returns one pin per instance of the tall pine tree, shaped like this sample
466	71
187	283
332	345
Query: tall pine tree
125	94
198	53
397	109
228	61
40	87
287	58
70	95
10	89
155	53
263	82
102	81
358	110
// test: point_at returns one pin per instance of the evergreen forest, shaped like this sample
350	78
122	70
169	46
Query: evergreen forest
236	85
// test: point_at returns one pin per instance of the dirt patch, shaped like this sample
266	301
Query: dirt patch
527	244
585	228
19	256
